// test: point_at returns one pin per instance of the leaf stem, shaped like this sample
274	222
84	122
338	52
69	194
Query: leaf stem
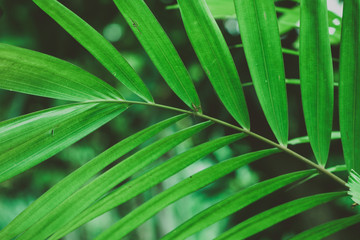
248	132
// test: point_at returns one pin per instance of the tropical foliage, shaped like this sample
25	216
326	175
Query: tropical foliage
131	167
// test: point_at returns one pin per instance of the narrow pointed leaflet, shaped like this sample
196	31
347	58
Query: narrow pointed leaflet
62	190
215	57
349	86
97	45
326	229
28	140
277	214
160	49
88	194
260	35
145	181
232	204
31	72
316	76
174	193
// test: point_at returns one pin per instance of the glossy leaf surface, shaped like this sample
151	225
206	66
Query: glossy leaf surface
277	214
108	180
349	88
58	193
97	45
160	50
260	36
215	58
146	181
316	76
183	188
31	72
30	139
232	204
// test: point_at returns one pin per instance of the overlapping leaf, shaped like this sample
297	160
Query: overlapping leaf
232	204
146	181
277	214
316	76
97	45
160	49
349	89
38	74
326	229
83	198
28	140
183	188
261	40
57	194
215	57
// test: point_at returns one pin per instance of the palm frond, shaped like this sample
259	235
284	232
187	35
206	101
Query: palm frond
97	45
215	58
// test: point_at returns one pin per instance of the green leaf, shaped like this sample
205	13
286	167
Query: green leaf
215	57
97	45
87	195
316	76
349	89
38	74
58	193
232	204
326	229
289	19
354	186
305	139
261	40
160	50
28	140
277	214
183	188
146	181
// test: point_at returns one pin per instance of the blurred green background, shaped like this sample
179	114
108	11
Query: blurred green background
23	24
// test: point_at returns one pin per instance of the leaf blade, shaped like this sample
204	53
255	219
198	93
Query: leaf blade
326	229
38	74
316	76
349	88
97	45
260	35
42	138
160	50
277	214
102	184
146	181
232	204
215	57
187	186
75	180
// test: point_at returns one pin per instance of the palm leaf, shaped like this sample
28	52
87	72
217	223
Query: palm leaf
145	181
277	214
185	187
354	186
215	57
232	204
160	49
58	193
102	184
97	45
38	74
326	229
316	76
28	140
349	89
261	40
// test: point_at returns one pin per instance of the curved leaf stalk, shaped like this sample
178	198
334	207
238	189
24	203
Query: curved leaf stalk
321	169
